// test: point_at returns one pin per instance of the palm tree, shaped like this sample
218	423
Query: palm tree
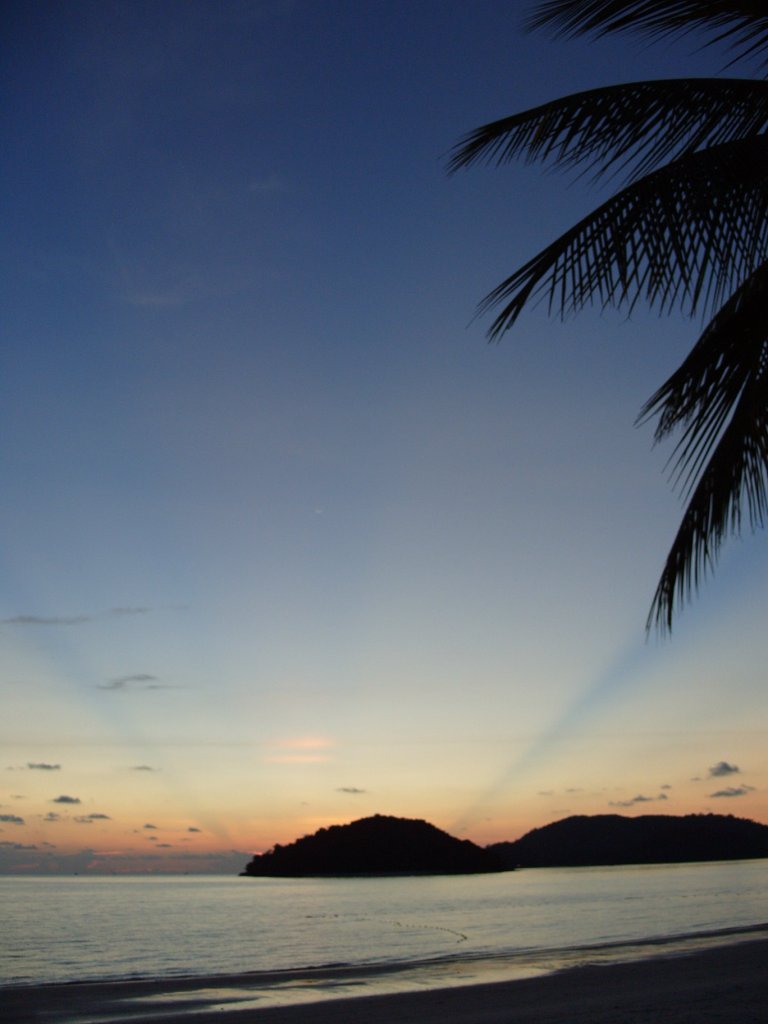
688	229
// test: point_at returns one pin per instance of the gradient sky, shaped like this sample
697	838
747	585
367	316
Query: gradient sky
284	541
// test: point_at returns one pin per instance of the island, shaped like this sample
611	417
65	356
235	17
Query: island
386	845
604	839
379	845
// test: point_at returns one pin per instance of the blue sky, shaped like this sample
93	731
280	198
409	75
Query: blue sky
284	541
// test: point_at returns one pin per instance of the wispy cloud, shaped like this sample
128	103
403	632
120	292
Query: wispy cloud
300	750
147	298
639	799
730	791
69	620
126	682
49	859
41	766
267	186
138	682
88	819
142	768
45	620
352	790
721	769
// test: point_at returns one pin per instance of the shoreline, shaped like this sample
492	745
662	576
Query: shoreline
726	983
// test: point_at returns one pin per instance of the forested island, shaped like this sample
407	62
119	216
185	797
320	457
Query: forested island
602	839
385	845
380	845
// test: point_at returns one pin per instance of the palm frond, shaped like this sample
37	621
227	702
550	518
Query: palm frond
626	128
701	392
737	469
688	229
742	24
685	235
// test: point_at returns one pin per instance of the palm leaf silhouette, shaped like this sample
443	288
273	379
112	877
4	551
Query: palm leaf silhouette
688	229
629	128
743	24
719	398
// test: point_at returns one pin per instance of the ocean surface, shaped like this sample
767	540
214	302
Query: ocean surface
394	933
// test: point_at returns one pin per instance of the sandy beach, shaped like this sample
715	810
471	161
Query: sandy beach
723	984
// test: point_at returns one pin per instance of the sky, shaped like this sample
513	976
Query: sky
284	542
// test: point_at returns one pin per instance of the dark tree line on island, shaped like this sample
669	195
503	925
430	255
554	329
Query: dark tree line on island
380	845
384	845
604	839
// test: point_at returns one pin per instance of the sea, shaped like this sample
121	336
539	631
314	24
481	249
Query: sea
369	934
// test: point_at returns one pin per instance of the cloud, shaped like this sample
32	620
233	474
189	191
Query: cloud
41	766
17	858
172	296
45	620
666	786
86	819
733	791
69	620
266	186
123	682
296	759
64	799
193	829
52	816
722	768
301	750
305	743
11	819
639	799
149	825
142	768
351	789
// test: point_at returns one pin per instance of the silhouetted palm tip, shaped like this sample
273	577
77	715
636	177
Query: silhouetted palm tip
741	25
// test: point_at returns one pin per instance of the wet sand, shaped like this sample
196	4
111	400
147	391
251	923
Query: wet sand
727	984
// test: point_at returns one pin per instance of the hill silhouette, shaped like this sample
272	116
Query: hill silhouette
380	845
603	839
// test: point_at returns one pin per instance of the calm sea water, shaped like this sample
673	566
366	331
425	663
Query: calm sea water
62	929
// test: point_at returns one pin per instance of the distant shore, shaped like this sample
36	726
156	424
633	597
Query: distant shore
720	985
